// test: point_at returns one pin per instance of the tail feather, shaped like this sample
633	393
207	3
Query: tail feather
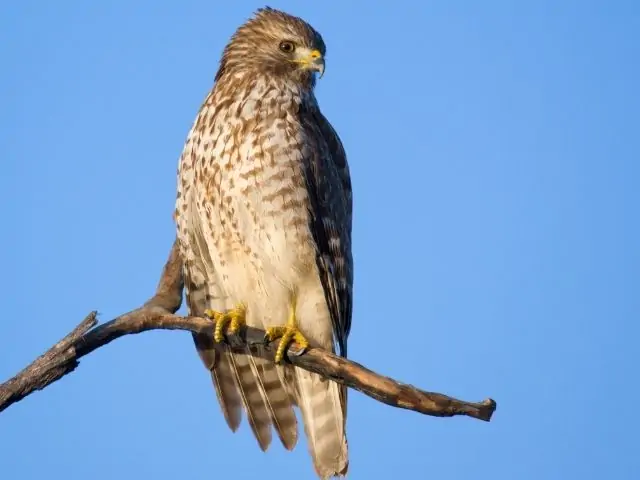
228	396
249	387
239	379
277	401
320	401
217	362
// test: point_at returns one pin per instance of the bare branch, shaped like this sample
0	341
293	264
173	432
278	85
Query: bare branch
168	296
158	314
47	368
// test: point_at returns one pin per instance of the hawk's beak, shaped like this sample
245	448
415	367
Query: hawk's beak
311	60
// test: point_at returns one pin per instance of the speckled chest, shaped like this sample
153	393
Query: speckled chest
243	160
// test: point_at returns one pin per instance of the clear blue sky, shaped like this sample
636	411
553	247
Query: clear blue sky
494	151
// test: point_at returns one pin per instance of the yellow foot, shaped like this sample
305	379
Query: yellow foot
287	334
233	319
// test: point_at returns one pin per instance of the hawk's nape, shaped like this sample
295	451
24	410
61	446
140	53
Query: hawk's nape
263	217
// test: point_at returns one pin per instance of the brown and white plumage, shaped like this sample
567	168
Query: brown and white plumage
263	217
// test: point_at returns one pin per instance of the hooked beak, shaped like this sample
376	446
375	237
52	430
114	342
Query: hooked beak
311	60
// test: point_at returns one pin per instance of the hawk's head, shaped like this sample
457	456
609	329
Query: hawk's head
277	43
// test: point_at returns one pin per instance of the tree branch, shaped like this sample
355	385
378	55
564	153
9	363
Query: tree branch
158	313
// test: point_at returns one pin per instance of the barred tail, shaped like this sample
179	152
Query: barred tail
277	400
216	360
322	403
249	387
241	380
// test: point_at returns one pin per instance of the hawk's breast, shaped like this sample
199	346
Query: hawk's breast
250	158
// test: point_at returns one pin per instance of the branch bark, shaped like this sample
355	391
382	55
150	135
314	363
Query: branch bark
159	313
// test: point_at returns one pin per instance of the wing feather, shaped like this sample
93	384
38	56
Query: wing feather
331	205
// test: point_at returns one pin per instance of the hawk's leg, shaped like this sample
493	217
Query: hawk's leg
232	319
287	334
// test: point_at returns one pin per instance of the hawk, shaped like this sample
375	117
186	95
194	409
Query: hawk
263	216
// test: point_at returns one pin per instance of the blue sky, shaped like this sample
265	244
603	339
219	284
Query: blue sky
494	149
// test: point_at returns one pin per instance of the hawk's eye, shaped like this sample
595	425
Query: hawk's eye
287	47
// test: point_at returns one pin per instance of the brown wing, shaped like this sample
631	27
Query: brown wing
331	204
